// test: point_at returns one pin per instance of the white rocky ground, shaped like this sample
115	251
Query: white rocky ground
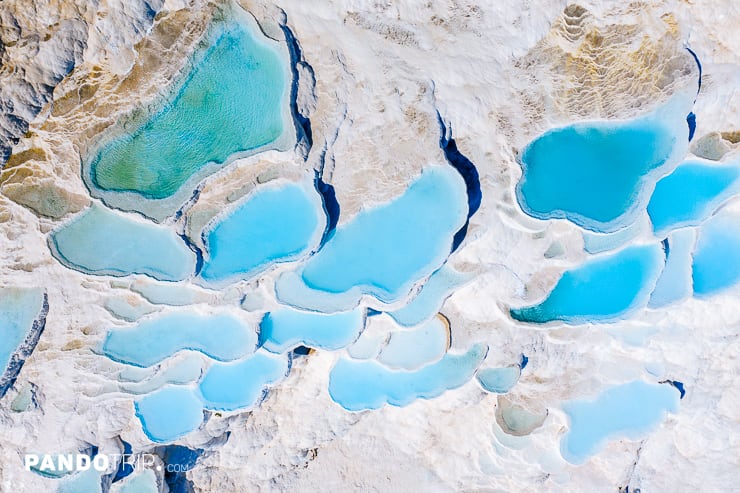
499	73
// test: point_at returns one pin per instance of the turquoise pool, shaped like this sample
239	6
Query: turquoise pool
674	283
219	336
284	329
412	348
169	413
691	193
630	410
101	241
358	385
716	265
499	380
273	224
19	309
233	100
597	174
242	384
602	289
384	250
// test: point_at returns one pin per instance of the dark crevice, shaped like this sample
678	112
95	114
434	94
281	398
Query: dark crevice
467	170
177	461
331	206
677	385
302	122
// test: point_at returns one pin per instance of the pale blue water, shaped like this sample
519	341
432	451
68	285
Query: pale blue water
19	308
187	370
233	99
413	348
691	193
83	482
275	224
357	385
287	328
220	336
498	380
716	264
242	384
630	410
594	243
592	173
675	282
144	481
602	289
169	413
430	298
123	308
101	241
385	249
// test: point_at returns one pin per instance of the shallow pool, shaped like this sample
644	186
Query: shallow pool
220	336
674	282
234	98
144	481
169	413
287	328
602	289
412	348
242	384
361	384
630	410
716	265
596	174
273	224
384	249
19	309
691	193
499	380
101	241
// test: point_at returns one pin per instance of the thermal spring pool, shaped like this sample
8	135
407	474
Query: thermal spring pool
691	193
233	100
716	265
169	413
499	380
596	174
284	329
102	241
630	410
276	223
602	289
20	308
384	249
410	349
220	336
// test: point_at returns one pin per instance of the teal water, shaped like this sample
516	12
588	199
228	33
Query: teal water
287	328
232	100
274	224
242	384
430	298
716	265
140	482
19	308
358	385
691	193
602	289
674	282
169	413
385	249
630	410
498	380
221	336
593	173
409	349
101	241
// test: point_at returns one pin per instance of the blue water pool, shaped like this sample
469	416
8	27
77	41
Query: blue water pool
242	384
596	174
674	283
385	249
101	241
358	385
19	309
716	264
89	481
220	336
409	349
274	224
429	300
233	99
287	328
602	289
144	481
499	380
630	410
691	193
169	413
